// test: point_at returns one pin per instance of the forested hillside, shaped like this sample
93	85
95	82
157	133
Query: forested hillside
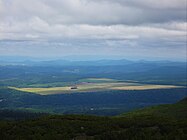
141	125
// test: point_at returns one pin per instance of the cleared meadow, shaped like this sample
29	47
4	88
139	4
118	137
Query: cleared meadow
93	84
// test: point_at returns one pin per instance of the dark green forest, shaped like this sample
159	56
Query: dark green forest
149	123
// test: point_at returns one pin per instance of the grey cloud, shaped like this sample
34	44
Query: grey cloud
124	27
104	12
135	48
151	4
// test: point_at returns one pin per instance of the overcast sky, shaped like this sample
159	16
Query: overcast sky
131	29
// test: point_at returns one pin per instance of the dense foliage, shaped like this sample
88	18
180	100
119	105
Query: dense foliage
6	114
78	127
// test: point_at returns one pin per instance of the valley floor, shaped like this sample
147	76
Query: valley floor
93	85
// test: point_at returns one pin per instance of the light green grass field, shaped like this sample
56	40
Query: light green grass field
93	84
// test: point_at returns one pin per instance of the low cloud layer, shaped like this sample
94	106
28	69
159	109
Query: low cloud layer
117	25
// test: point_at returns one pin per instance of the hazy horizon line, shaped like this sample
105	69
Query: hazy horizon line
85	58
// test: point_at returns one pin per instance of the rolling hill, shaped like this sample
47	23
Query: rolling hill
141	124
177	110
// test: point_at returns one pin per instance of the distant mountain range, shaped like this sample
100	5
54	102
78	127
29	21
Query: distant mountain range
29	61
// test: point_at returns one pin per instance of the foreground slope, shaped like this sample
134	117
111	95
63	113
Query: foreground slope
142	124
178	110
